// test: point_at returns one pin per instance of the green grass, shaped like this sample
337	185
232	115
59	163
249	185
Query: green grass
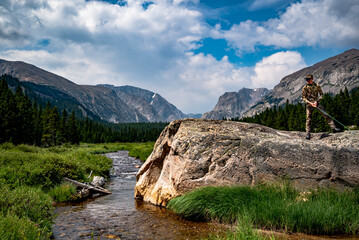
31	178
62	192
46	167
140	150
274	207
25	213
244	231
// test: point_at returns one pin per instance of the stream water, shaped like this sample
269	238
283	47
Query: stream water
120	216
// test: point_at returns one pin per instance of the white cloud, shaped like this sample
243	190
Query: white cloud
324	23
272	69
202	79
134	42
259	4
91	42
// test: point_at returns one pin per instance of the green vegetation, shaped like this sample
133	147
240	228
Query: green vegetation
31	178
46	167
344	107
138	150
62	192
23	121
274	207
243	231
25	213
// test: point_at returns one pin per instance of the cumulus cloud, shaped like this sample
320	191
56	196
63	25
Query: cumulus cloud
134	41
203	79
150	46
272	69
324	23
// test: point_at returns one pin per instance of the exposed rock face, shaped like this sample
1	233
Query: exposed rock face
151	105
193	153
332	74
234	104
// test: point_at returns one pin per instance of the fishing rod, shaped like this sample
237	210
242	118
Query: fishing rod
333	118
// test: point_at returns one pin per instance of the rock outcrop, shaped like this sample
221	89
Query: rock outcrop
193	153
234	104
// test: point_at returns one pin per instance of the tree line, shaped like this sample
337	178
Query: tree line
343	106
23	121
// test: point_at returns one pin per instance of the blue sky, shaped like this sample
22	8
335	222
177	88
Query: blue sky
188	51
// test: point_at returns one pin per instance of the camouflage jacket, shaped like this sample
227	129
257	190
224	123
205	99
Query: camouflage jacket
311	93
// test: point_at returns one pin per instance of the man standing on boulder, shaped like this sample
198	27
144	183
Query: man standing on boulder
311	95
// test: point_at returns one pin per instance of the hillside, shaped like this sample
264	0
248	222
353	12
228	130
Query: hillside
97	102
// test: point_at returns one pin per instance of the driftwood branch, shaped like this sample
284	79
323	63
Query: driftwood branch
89	187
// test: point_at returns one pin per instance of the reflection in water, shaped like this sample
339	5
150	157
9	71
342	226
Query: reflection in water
119	216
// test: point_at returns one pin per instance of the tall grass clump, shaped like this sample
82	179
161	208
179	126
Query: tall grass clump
62	192
275	207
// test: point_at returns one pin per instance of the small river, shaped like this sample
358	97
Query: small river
120	216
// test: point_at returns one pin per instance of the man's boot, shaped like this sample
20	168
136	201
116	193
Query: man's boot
308	136
335	130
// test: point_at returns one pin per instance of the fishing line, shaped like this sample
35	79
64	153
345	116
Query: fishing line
333	118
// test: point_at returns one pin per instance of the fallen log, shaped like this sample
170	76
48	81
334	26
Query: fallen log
89	187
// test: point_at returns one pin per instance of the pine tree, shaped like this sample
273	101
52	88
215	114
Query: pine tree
51	121
73	132
64	132
7	113
24	119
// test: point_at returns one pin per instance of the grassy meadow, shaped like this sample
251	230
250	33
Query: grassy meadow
274	207
31	179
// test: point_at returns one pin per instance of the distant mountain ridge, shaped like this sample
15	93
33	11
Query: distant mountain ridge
234	104
332	74
105	102
151	105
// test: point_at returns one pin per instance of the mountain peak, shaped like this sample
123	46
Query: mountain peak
233	104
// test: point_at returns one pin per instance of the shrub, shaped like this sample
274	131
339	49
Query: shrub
63	192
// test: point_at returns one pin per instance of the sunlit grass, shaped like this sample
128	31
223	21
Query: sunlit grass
274	207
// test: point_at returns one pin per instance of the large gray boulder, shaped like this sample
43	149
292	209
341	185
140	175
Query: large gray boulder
194	153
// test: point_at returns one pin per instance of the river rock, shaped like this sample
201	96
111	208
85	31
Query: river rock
98	181
194	153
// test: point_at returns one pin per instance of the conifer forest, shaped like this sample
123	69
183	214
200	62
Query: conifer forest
344	107
23	121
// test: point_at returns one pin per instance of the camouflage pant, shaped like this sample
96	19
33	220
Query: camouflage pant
309	118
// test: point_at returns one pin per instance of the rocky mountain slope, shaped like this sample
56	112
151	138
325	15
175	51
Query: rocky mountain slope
194	153
333	74
234	104
101	102
151	105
